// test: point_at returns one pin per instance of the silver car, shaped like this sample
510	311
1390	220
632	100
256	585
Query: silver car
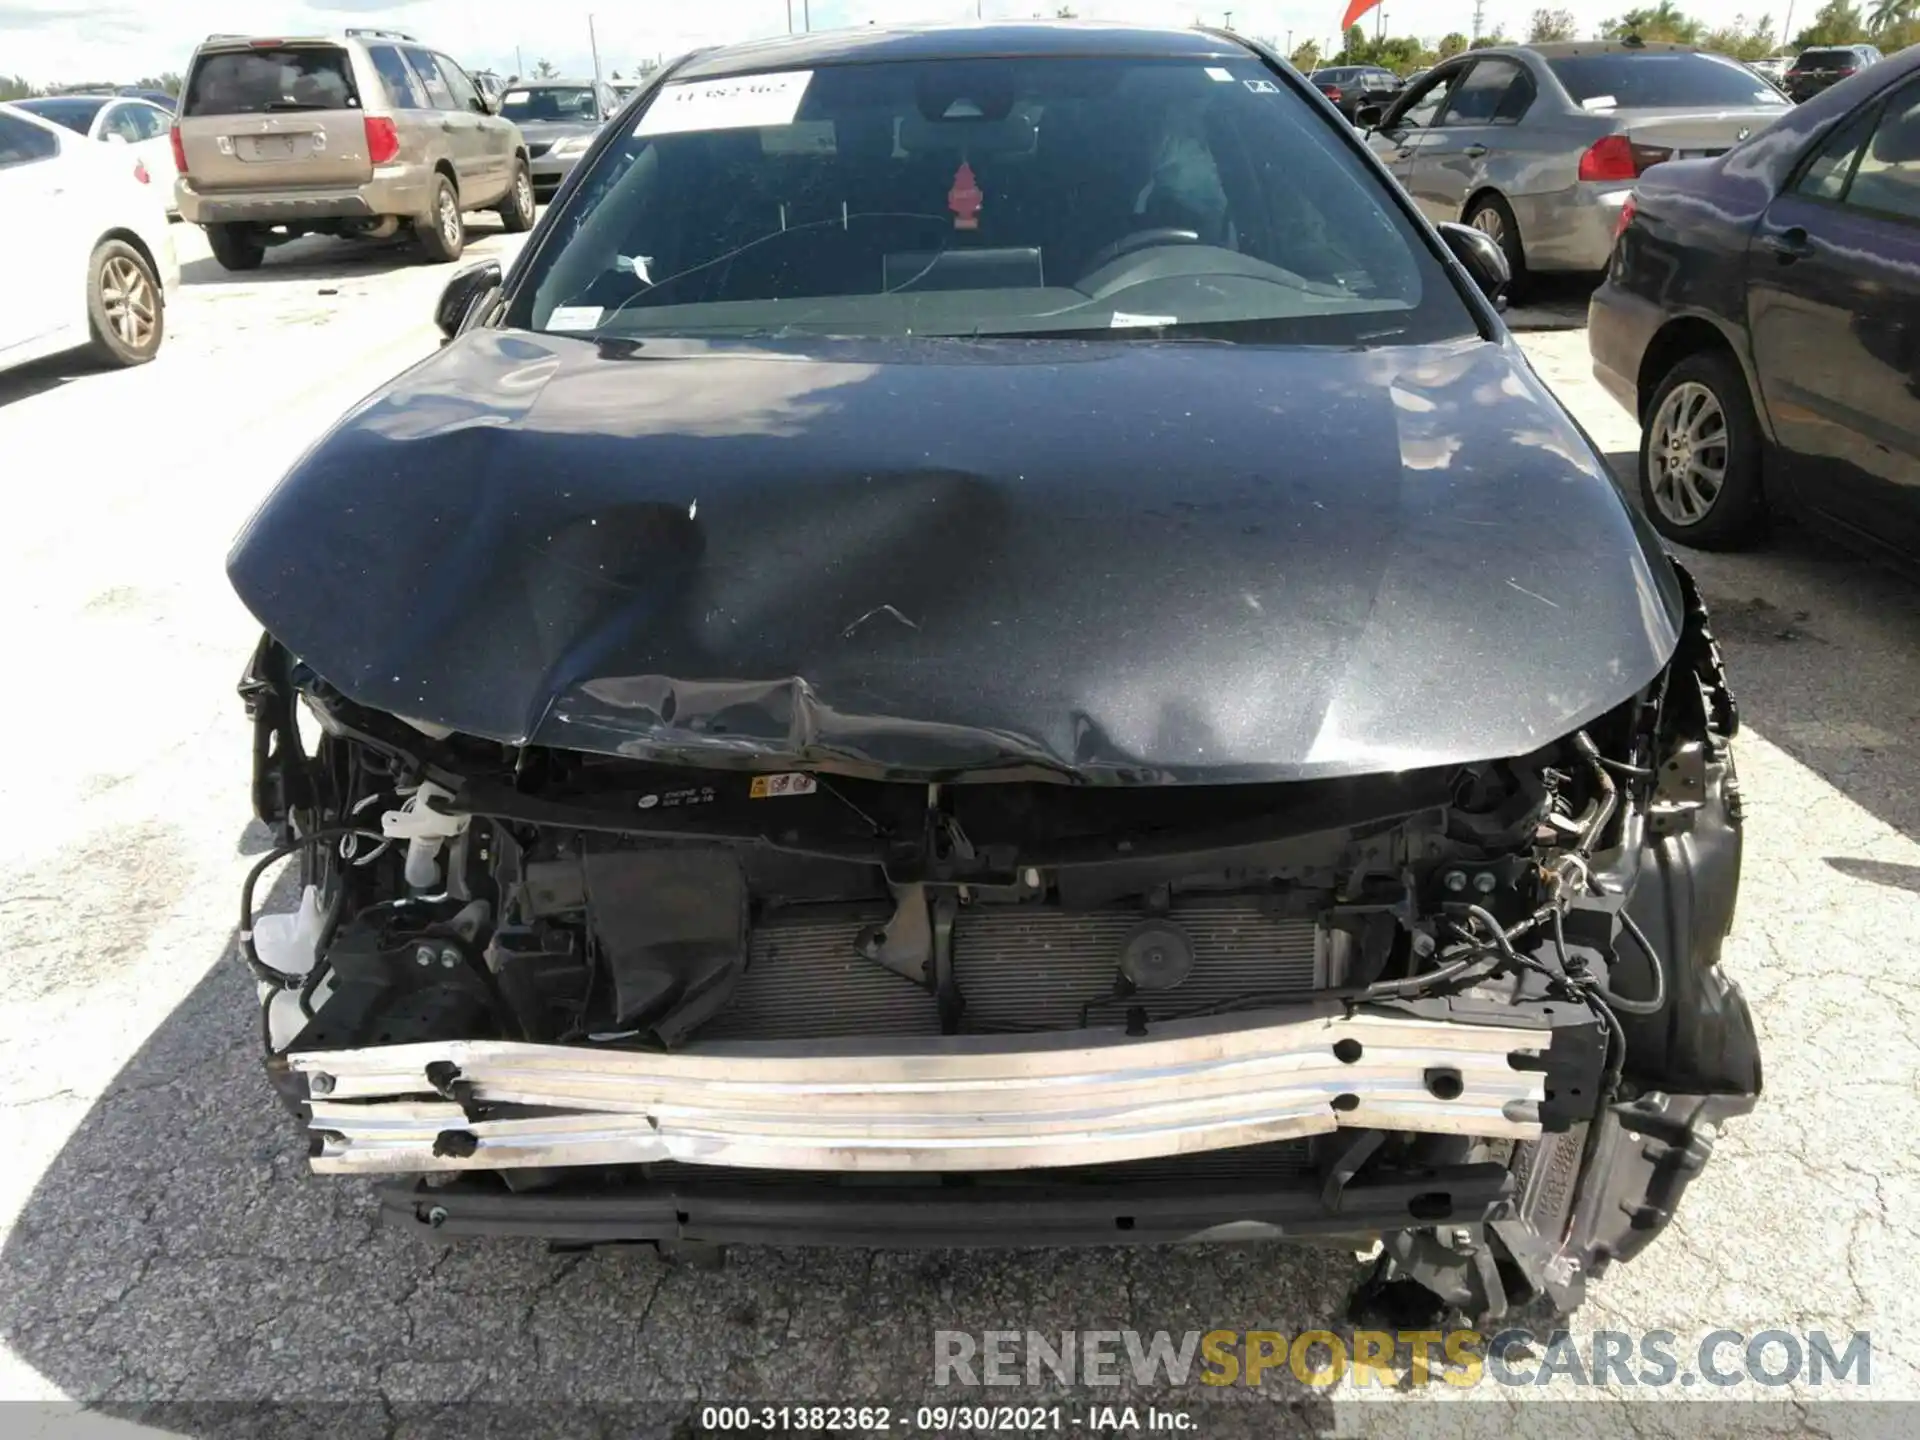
1539	145
559	119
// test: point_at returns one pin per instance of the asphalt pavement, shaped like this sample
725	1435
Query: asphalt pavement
166	1259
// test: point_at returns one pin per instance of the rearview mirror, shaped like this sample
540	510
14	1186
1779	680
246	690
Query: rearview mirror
1369	115
1483	258
462	293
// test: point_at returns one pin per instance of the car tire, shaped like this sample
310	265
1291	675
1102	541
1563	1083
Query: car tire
1700	456
443	229
236	247
126	308
516	211
1493	217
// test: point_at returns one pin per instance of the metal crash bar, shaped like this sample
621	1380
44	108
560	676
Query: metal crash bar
985	1102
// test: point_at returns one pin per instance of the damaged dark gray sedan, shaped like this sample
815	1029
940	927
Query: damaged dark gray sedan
988	642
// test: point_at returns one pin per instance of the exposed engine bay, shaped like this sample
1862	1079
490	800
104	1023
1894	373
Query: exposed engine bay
1472	1012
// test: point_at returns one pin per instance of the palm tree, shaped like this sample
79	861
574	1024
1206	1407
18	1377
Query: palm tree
1886	14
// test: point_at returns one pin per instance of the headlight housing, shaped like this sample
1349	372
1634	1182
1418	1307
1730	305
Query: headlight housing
574	145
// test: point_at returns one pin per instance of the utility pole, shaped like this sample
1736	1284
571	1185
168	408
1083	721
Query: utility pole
1479	17
806	15
1787	29
1227	23
519	63
593	41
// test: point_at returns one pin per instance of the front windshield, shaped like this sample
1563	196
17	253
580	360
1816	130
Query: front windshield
550	102
989	197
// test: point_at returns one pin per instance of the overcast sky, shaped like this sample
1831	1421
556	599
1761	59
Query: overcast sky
119	39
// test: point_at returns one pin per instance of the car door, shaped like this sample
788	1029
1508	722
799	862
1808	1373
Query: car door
33	183
493	145
459	126
1409	124
1833	300
1473	137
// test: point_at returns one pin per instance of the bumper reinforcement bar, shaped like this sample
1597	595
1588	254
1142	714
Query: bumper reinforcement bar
952	1103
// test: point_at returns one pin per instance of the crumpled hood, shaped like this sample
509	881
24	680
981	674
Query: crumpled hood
1144	562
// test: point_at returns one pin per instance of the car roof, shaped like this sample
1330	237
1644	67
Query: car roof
1566	49
551	82
867	44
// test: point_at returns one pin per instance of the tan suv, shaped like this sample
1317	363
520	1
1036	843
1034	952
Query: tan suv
359	136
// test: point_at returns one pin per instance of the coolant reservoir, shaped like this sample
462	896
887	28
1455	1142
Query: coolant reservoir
289	943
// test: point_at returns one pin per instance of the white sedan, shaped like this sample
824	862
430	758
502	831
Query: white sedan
89	258
142	126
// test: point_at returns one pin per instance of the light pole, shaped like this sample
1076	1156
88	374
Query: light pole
593	43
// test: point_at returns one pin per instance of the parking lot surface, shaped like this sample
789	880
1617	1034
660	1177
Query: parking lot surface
160	1240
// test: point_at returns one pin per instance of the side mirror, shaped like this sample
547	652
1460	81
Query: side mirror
1483	258
1369	115
462	293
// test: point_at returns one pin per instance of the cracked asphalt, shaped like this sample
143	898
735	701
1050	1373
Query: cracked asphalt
166	1261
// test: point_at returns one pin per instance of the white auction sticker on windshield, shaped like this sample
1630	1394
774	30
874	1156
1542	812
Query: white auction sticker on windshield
574	317
1220	73
515	97
745	102
1124	321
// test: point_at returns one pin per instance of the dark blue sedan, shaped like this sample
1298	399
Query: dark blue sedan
1761	315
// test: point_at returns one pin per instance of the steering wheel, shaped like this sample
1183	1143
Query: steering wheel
1139	240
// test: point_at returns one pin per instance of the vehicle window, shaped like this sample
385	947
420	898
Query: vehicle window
149	122
1666	78
403	87
991	197
295	77
1828	60
1827	174
549	102
68	112
22	143
1420	107
465	95
124	121
1493	91
1887	178
439	93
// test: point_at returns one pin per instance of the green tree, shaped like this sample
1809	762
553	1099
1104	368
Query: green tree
1887	15
167	80
1305	58
1665	21
543	70
1550	25
1838	22
1744	39
1451	44
17	87
1495	36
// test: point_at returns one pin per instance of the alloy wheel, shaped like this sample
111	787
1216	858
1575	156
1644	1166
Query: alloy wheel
127	297
1687	453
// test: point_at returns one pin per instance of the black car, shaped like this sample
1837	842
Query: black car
1760	316
1351	86
1005	682
1816	69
